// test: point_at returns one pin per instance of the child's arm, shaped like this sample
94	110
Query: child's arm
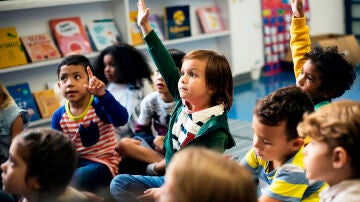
17	126
95	86
300	39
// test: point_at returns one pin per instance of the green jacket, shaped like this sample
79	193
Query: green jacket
214	134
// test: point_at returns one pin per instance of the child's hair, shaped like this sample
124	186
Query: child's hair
5	97
338	125
75	60
217	74
50	156
285	104
201	174
337	75
130	64
177	55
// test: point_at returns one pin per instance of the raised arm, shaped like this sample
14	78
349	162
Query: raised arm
142	19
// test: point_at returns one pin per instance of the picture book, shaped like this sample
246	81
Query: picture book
157	23
177	21
47	102
11	51
210	19
40	47
103	33
23	97
135	32
70	36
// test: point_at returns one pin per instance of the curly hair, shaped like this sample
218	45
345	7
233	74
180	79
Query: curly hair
337	75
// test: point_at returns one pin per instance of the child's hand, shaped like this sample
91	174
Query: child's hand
297	8
159	144
142	18
95	86
150	194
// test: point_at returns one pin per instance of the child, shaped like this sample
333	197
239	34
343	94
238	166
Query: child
333	152
128	77
88	118
40	165
276	156
147	145
203	95
323	73
194	181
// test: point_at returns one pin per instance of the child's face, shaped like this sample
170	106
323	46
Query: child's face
310	80
160	83
169	190
72	79
317	161
14	172
192	84
270	142
110	69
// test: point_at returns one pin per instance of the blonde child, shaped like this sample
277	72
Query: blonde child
88	118
203	95
40	165
323	73
333	152
200	174
276	157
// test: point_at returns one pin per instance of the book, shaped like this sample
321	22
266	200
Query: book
70	36
11	51
40	47
103	33
177	21
210	19
135	32
23	97
47	102
157	23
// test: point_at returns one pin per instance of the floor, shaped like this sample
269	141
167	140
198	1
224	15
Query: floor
246	94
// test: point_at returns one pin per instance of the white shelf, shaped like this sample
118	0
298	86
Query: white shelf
40	122
30	4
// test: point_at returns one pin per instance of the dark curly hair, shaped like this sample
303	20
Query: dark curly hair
75	60
337	75
131	65
285	104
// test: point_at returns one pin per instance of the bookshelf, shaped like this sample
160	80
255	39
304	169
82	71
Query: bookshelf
352	18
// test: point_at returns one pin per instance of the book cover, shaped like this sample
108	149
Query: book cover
103	33
47	102
177	21
23	97
135	32
40	47
11	51
70	36
157	23
210	19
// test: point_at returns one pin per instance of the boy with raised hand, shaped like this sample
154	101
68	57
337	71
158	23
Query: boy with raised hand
276	157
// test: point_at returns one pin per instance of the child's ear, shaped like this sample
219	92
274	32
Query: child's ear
297	143
339	157
34	183
58	84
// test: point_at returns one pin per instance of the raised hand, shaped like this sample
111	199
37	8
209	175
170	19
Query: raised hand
95	86
297	8
142	18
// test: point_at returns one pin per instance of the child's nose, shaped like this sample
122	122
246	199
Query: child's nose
300	80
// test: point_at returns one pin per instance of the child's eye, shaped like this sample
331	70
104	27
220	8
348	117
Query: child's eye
302	71
192	74
182	73
77	76
62	78
267	142
309	78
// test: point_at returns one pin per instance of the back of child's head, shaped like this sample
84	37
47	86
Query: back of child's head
337	75
74	60
217	74
177	55
5	97
285	104
201	174
338	125
130	63
50	157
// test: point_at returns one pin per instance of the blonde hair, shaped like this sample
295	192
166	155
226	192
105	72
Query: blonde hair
201	174
338	125
5	97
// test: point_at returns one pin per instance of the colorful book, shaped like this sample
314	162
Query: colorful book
40	47
47	102
177	21
103	33
11	51
210	19
135	32
23	97
70	36
157	23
